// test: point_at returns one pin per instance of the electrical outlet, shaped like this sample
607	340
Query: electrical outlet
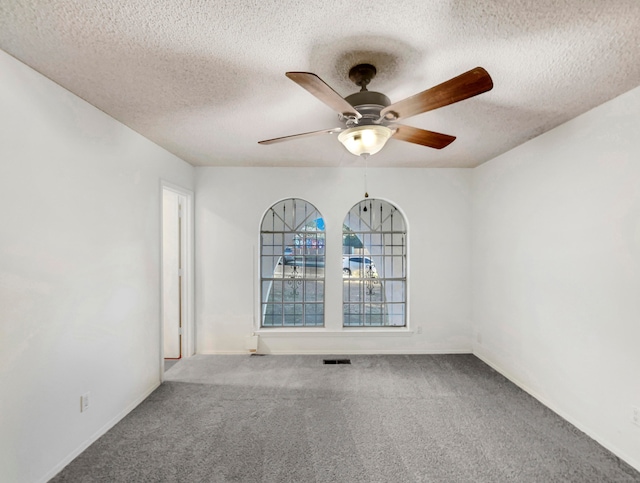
635	416
84	402
419	329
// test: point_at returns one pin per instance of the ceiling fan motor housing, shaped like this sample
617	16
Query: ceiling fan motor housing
369	104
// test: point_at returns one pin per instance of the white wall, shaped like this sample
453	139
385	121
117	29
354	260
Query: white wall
230	203
79	270
556	264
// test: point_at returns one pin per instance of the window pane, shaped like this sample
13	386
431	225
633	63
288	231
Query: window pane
396	314
394	292
267	288
374	314
314	291
352	315
292	290
272	267
272	315
274	291
398	245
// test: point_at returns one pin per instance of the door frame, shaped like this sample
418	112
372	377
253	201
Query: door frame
187	348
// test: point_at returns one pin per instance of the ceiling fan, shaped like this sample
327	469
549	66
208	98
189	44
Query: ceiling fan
369	119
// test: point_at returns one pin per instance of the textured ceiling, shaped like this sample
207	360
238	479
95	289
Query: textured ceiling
205	79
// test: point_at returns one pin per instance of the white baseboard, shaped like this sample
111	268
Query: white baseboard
223	353
630	460
371	352
315	352
115	420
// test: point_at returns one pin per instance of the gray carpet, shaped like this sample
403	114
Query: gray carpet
422	418
169	363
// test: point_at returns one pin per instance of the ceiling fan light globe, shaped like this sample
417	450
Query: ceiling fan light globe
361	140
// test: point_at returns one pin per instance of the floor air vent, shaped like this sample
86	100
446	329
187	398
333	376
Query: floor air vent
336	361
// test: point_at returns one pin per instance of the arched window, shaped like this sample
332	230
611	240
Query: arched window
374	266
292	239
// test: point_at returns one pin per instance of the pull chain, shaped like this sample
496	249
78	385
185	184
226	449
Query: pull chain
366	166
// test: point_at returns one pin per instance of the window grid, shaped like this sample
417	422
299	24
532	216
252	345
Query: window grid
374	266
292	265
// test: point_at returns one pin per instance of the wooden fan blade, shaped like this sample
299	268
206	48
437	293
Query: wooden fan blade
466	85
322	91
421	136
302	135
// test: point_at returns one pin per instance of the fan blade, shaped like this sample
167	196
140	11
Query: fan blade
466	85
302	135
420	136
322	91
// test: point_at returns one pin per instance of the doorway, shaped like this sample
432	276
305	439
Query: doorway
177	272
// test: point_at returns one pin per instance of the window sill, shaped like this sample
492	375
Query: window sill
346	332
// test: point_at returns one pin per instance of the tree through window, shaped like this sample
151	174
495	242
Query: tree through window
374	266
292	259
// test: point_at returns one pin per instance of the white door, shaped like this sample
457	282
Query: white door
171	274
